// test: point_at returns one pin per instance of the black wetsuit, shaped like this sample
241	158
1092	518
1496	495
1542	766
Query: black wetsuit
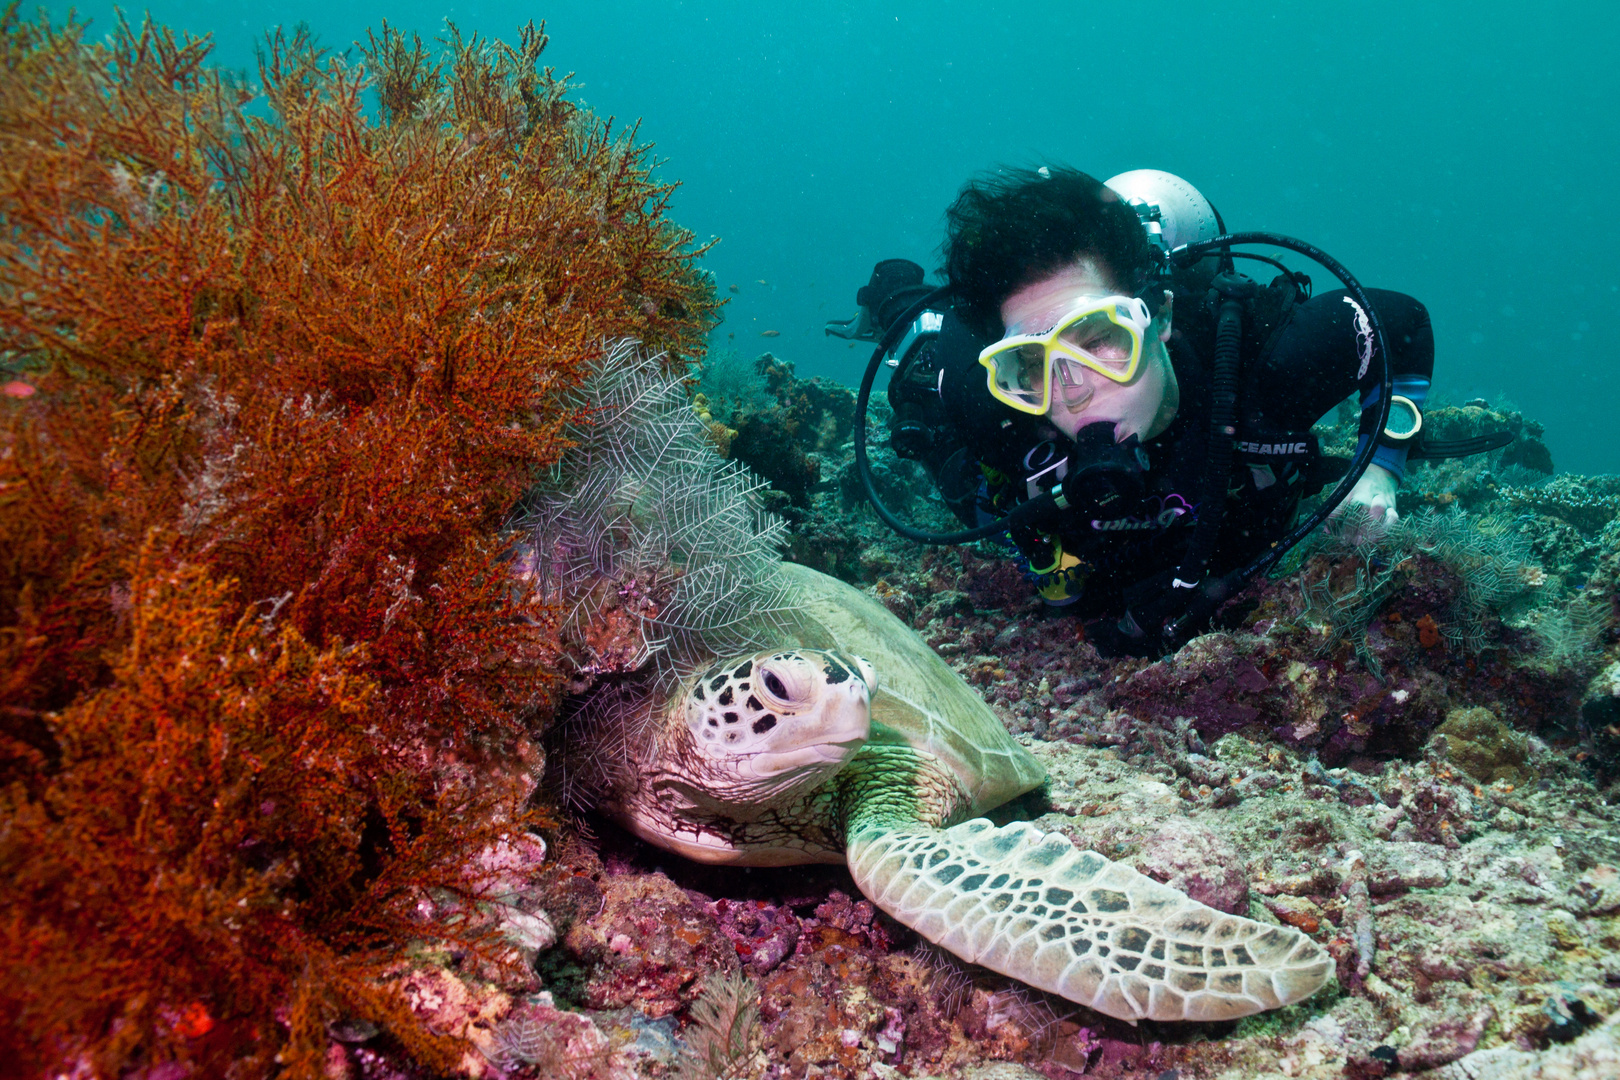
1300	358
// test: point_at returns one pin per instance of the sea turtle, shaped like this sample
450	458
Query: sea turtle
853	741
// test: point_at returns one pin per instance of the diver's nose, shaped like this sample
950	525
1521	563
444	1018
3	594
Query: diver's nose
1073	389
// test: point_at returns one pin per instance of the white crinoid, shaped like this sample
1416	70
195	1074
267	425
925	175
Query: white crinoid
642	525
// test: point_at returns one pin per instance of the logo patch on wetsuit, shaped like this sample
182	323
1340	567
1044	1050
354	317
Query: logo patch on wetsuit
1169	509
1287	448
1364	338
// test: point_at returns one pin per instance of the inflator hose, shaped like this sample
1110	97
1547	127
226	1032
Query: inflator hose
1222	442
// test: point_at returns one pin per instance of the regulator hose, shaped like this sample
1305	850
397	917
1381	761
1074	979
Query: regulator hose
1222	430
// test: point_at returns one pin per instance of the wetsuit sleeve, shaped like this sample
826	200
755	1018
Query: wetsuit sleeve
1325	351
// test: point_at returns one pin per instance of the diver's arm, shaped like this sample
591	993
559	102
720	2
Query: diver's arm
1411	355
1318	360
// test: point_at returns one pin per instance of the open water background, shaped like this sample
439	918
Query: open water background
1465	152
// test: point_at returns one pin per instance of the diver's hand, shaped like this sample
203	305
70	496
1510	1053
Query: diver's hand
1374	493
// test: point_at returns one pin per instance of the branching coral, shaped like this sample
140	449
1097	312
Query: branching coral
1568	498
273	384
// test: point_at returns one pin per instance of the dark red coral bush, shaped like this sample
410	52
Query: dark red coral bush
273	383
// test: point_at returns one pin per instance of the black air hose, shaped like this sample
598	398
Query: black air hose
1222	429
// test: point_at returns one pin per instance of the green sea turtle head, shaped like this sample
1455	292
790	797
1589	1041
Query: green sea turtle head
778	722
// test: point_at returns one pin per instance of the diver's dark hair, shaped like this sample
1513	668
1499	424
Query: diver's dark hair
1013	225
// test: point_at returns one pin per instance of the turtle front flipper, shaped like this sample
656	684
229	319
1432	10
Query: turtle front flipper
1033	906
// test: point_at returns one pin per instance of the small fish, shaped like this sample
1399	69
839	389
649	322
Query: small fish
762	281
19	389
770	333
735	289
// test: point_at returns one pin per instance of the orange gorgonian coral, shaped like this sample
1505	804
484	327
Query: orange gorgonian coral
273	382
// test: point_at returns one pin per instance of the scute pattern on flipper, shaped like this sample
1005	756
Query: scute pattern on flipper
1031	905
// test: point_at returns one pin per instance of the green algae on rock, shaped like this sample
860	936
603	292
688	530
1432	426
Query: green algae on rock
1482	746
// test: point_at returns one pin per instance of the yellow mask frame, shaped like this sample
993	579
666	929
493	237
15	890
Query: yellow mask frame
1104	334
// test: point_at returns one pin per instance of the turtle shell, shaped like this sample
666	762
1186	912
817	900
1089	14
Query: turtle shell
920	701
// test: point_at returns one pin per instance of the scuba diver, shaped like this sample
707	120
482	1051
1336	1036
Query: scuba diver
1100	384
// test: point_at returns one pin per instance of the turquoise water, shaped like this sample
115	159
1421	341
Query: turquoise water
1463	152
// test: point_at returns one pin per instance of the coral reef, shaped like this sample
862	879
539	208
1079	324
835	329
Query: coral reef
1482	746
783	442
1485	559
336	450
1465	483
275	374
1430	806
733	383
1569	498
780	425
795	435
834	996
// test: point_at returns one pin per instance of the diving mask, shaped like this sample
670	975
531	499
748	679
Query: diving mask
1104	334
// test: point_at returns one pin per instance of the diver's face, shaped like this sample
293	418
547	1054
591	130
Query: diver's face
1142	407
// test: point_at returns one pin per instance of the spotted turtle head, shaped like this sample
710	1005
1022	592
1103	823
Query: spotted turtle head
780	719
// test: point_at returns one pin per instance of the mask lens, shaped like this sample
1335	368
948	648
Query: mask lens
1020	373
1068	380
1107	346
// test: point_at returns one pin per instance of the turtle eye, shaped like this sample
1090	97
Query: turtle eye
785	681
